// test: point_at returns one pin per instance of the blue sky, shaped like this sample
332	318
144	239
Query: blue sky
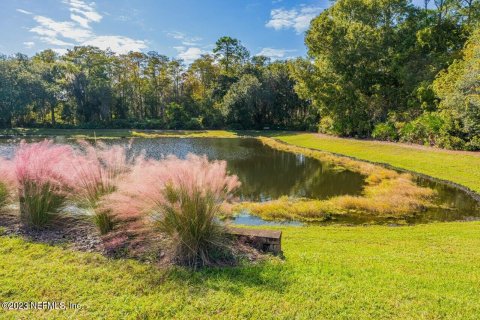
177	28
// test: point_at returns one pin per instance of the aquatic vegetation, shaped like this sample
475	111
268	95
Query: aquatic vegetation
387	193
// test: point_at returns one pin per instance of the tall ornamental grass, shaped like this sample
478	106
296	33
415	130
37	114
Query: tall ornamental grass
44	179
7	181
182	199
97	170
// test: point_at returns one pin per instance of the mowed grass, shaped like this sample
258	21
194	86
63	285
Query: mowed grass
376	272
115	133
459	167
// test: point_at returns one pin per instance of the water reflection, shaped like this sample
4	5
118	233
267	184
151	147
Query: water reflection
267	174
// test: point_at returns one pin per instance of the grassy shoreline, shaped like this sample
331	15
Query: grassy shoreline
462	168
387	193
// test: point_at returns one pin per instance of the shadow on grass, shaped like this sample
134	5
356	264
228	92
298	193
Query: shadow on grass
267	276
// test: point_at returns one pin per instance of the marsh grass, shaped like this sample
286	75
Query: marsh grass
387	193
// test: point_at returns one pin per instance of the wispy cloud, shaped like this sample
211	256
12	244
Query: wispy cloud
190	54
29	44
117	44
183	38
78	30
275	53
24	11
189	48
297	18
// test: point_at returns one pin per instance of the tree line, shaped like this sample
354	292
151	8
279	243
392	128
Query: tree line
92	88
384	69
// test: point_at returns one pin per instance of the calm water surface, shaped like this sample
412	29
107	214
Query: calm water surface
267	174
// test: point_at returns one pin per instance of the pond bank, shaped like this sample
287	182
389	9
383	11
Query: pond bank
461	168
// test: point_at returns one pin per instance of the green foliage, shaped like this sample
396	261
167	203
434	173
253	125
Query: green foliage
38	202
385	131
189	218
104	221
372	61
92	88
4	194
426	129
459	91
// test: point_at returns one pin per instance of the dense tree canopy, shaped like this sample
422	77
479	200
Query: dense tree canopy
375	68
89	87
372	65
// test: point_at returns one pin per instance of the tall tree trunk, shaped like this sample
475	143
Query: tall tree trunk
52	114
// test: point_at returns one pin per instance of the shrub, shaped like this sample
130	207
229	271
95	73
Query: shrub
385	131
426	129
43	173
104	221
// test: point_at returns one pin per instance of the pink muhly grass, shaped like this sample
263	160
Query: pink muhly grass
44	177
7	181
97	170
183	198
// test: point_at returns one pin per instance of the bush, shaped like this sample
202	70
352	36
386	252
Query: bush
426	129
385	131
38	201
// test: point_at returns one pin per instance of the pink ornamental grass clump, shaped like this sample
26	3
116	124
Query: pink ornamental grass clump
182	199
43	174
7	181
97	170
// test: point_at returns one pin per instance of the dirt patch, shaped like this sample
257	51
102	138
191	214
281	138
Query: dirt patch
77	233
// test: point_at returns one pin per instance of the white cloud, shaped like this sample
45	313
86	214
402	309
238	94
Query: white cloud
274	53
80	20
24	11
66	29
297	18
29	44
60	51
117	44
79	8
183	38
189	54
78	30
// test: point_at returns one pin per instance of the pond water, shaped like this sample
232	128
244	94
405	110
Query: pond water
267	174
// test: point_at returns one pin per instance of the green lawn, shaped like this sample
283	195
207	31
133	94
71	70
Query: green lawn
427	271
376	272
460	167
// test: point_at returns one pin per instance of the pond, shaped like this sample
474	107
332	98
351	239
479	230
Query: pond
267	174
